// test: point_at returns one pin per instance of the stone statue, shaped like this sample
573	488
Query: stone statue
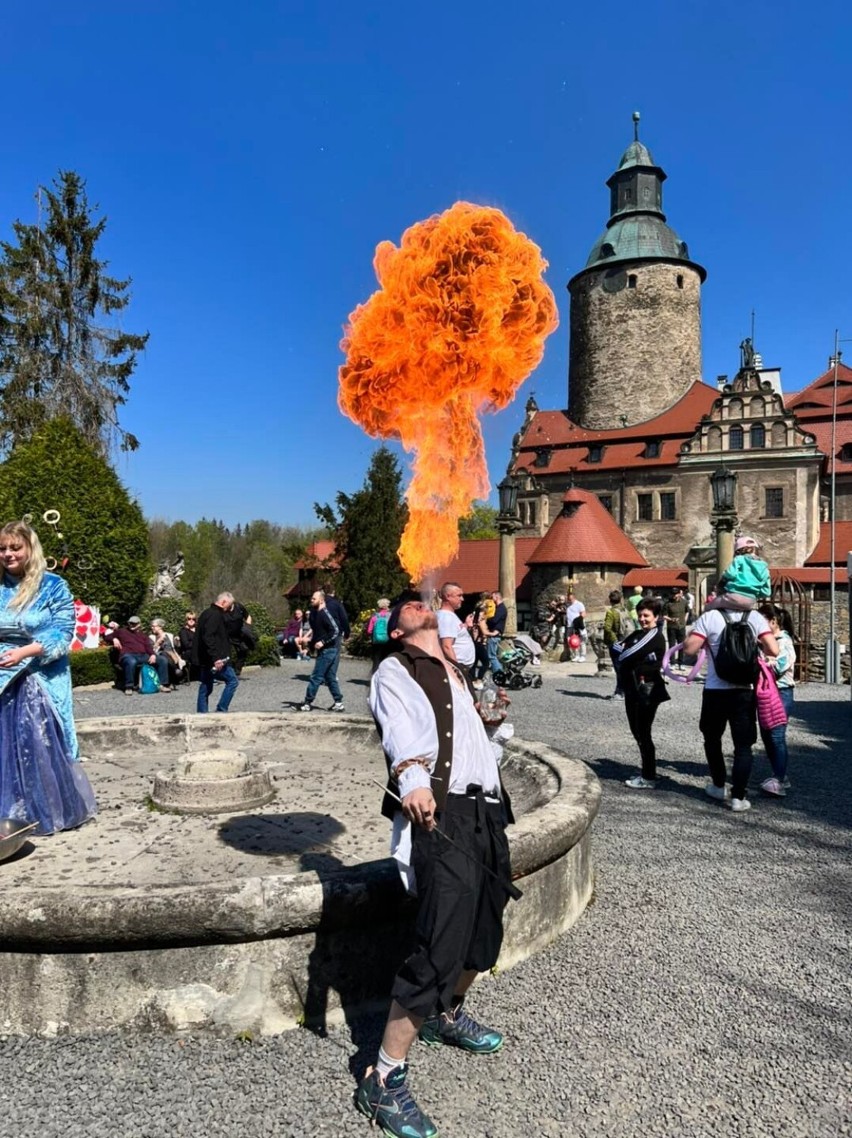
165	581
747	353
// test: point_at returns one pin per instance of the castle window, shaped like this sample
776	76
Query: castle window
680	280
736	440
607	249
668	512
606	501
631	280
653	448
846	452
774	502
645	507
595	453
542	456
532	511
757	436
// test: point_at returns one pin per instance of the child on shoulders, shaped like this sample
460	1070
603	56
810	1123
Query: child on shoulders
745	583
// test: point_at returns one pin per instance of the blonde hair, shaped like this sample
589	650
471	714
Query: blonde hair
36	564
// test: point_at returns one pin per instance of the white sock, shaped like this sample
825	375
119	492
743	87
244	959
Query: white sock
386	1063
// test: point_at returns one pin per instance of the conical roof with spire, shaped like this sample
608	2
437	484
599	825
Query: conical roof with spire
585	533
637	229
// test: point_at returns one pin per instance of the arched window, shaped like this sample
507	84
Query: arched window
757	408
735	408
757	436
714	438
735	439
779	434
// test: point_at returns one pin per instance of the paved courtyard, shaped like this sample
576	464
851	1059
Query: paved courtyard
706	991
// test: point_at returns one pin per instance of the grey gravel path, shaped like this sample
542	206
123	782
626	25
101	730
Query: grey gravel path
705	992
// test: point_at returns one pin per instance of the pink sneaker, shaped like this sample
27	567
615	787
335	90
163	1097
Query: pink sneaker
773	787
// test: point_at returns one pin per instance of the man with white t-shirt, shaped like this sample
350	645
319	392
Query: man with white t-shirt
724	704
454	634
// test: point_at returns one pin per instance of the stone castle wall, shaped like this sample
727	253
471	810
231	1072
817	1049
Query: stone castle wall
634	350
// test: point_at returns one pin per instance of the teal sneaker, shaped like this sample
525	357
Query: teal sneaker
460	1031
391	1106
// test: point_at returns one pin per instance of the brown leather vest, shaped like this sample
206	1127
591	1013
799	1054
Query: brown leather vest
431	675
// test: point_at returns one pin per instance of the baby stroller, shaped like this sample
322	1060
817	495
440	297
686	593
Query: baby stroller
514	660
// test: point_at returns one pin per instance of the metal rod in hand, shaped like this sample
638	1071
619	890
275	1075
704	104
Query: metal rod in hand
513	891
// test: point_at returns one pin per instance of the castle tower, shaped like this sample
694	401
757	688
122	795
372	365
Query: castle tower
635	307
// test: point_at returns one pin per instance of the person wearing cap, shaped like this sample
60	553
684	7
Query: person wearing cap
745	583
135	649
444	784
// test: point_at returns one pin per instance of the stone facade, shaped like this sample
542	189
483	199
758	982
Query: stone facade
635	341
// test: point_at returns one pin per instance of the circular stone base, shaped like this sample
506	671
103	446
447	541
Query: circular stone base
211	782
266	919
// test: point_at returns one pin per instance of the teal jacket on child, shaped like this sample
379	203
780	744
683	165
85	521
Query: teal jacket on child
747	575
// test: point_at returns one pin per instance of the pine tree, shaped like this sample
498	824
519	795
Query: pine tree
100	543
56	356
367	529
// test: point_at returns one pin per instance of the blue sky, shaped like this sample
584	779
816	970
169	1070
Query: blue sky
249	161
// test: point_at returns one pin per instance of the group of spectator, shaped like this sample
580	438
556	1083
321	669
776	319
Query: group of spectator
728	701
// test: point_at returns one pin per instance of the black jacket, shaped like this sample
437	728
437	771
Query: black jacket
324	627
338	614
639	664
211	638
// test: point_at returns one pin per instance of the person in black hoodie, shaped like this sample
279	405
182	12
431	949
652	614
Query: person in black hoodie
639	661
211	653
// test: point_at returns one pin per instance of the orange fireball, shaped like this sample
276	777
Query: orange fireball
458	324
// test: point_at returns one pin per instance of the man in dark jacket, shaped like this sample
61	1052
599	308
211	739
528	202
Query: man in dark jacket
211	652
236	617
134	649
326	641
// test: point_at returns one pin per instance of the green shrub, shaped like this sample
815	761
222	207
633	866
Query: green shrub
169	609
359	643
261	621
266	653
91	666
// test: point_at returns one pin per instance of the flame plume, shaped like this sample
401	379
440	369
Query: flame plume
458	324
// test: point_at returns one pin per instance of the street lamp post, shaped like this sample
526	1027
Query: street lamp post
723	516
507	523
832	648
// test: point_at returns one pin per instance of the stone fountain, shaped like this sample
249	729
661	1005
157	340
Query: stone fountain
286	910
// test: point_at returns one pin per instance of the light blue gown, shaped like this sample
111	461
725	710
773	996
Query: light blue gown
41	779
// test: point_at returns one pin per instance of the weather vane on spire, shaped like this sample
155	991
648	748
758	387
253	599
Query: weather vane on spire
635	126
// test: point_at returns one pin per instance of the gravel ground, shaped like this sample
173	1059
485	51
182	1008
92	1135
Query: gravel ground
706	991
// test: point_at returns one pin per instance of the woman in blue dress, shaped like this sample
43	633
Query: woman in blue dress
41	779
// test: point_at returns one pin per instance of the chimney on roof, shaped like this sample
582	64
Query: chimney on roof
721	380
758	361
832	360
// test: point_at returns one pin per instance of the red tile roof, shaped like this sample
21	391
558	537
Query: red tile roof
476	567
316	552
585	535
818	396
810	576
656	578
842	544
623	447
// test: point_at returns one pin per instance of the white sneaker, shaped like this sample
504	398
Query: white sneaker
306	707
337	706
640	783
740	805
720	793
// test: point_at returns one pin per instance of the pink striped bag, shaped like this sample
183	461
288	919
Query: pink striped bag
770	709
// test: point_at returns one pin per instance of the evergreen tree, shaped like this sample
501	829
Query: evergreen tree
56	356
101	541
367	529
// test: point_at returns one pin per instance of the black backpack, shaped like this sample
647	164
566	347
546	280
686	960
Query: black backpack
736	657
